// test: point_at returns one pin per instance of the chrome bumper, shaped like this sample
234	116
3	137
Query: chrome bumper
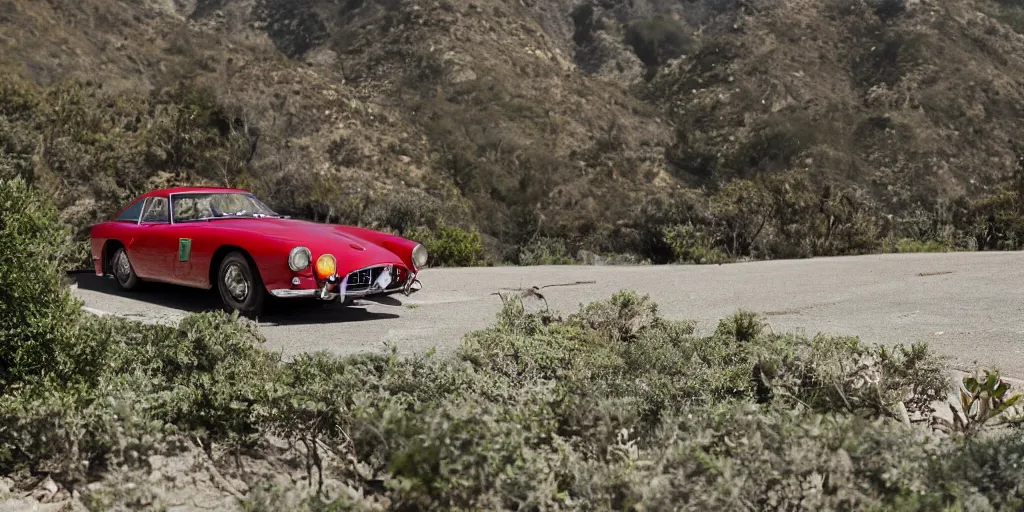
411	286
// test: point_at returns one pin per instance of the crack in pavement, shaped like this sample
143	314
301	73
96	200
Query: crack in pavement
534	291
575	283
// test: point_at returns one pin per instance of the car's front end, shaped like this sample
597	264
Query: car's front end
350	273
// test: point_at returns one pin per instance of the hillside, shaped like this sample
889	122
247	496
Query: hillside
698	130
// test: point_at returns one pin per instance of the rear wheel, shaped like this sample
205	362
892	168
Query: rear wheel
240	286
123	271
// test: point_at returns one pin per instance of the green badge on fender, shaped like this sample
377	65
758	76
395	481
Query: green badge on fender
184	248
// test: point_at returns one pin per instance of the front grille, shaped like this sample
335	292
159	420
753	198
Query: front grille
362	279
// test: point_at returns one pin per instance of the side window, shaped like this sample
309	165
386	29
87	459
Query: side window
131	214
156	211
188	207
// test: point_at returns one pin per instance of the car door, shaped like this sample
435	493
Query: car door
191	236
195	244
150	252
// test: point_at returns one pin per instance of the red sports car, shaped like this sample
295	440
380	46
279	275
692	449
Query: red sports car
229	239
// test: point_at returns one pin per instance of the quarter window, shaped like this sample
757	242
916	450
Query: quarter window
131	214
156	211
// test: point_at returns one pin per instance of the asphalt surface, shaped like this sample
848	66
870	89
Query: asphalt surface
967	305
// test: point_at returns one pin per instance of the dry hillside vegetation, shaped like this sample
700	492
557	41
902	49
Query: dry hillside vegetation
695	130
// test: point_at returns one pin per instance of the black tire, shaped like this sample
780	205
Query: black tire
240	286
124	272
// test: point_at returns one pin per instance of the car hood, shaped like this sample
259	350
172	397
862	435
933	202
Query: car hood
352	252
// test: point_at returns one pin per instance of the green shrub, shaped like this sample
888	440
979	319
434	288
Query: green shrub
994	219
743	327
100	149
450	246
214	377
841	374
545	251
741	209
909	245
75	432
690	245
468	454
991	469
38	317
644	231
622	318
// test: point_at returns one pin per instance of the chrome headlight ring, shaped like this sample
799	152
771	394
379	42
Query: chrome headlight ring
299	259
419	256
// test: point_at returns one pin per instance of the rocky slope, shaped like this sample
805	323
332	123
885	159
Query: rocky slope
565	119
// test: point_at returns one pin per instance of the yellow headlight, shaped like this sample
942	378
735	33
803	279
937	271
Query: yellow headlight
326	265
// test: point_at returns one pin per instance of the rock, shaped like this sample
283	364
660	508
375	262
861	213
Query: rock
45	490
30	505
588	258
321	56
843	461
238	484
462	74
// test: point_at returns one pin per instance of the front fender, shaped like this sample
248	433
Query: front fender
402	247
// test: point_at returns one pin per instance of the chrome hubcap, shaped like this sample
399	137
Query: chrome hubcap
122	269
235	283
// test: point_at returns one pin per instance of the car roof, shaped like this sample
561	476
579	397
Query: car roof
164	192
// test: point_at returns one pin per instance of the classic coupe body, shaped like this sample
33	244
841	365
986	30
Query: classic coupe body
229	240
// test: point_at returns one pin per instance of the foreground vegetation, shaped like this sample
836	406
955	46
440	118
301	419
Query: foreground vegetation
610	408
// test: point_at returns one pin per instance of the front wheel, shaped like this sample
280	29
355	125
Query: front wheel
124	272
240	286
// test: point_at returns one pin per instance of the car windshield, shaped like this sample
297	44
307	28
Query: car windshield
189	207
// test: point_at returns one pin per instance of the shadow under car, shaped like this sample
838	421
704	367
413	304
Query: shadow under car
277	312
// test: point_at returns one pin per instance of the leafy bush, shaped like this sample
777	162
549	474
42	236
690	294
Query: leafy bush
690	245
210	374
450	246
782	215
545	251
743	327
38	317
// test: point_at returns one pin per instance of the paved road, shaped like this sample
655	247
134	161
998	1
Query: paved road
967	305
